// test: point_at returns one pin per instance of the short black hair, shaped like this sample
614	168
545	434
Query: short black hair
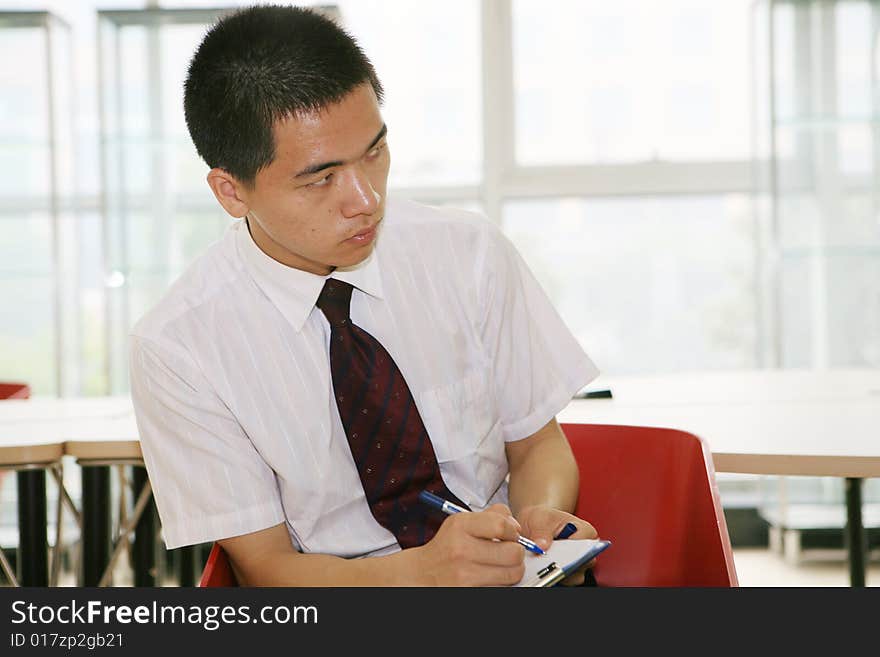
258	65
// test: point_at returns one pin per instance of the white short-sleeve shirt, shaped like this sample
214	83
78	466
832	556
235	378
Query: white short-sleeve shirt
231	383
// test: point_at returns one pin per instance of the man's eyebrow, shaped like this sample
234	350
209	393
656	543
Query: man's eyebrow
315	168
382	132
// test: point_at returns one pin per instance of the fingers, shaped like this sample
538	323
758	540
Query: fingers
544	523
486	575
487	538
575	579
497	553
500	575
504	510
490	524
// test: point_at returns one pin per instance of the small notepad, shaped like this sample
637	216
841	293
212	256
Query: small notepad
568	555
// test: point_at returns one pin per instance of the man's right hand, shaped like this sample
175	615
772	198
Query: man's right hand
473	549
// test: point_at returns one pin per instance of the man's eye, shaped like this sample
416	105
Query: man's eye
322	182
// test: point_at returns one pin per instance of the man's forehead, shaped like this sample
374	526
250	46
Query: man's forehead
307	146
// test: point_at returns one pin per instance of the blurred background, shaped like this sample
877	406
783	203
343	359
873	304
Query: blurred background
695	184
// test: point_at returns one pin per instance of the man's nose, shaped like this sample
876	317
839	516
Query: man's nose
360	196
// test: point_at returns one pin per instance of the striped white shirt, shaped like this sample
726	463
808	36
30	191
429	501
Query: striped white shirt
231	384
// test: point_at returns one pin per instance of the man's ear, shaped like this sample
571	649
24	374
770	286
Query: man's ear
229	191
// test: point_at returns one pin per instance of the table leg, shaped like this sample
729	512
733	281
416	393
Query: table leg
855	532
33	544
144	547
96	522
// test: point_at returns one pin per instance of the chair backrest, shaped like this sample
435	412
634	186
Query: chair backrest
218	570
10	390
652	493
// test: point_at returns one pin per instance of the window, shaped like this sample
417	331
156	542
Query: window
628	191
35	156
432	81
647	284
631	81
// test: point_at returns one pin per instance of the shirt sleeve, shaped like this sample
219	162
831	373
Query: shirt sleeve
537	363
208	479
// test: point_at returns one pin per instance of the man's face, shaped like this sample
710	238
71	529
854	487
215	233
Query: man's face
317	206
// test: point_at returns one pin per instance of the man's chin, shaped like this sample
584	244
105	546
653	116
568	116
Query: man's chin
352	260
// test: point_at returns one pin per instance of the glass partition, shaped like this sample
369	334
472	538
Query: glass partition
38	255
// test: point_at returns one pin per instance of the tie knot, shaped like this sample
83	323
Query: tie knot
334	301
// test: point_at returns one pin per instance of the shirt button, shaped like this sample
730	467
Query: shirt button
364	411
354	435
378	445
393	480
369	470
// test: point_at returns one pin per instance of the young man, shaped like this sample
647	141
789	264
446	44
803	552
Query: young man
336	353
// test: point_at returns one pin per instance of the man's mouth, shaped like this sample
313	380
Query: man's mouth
365	236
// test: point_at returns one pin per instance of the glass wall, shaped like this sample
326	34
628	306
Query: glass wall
38	310
642	108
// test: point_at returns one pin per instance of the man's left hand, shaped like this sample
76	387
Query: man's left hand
541	523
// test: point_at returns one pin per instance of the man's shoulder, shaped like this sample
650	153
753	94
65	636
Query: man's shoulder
202	285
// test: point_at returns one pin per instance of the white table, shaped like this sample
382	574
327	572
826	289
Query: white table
822	423
813	423
97	431
93	428
687	388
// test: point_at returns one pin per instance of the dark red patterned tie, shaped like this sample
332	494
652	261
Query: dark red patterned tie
388	441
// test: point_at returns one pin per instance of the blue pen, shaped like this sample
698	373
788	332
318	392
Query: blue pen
449	508
566	531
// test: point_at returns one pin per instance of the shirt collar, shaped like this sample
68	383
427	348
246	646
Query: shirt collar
294	291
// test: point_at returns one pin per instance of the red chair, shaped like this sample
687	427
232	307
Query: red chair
10	390
652	493
218	570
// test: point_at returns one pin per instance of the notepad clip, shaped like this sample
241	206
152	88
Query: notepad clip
547	576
